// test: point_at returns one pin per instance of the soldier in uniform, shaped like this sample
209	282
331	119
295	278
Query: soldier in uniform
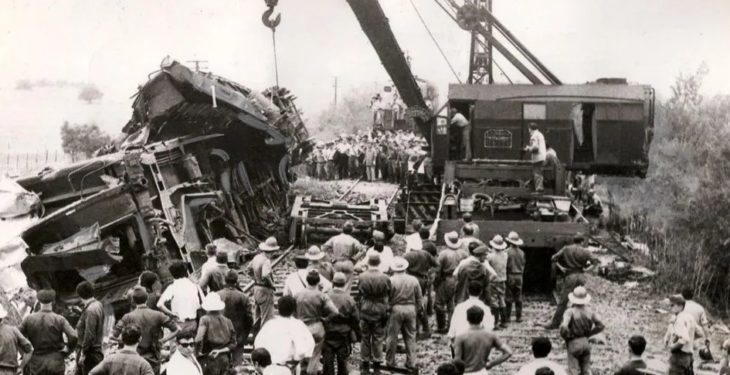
45	330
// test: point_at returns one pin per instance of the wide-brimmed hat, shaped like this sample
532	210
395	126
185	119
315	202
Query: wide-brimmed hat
514	239
579	296
452	240
497	243
314	253
399	264
269	245
213	302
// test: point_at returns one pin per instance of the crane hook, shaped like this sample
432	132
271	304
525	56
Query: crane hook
269	22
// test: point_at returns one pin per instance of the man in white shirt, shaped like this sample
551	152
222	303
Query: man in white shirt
698	313
462	124
537	155
210	250
185	299
459	324
541	347
384	252
183	361
413	240
286	338
681	338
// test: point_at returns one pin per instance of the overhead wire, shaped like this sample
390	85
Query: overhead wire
435	41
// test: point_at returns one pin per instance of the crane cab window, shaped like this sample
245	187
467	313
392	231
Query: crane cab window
533	111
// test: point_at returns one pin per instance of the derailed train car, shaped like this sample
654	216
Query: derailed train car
202	160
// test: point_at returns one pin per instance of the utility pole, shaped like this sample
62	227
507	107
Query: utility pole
198	64
335	86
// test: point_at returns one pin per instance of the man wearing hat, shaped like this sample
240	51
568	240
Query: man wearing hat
579	323
445	281
515	270
406	300
239	311
313	308
343	249
497	259
151	322
374	290
45	330
315	256
213	278
216	337
263	289
570	263
342	330
420	264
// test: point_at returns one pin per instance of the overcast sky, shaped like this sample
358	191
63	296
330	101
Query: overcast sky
115	44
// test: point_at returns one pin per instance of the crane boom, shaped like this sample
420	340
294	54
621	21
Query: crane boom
375	24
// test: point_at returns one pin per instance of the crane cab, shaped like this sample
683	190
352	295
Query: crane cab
603	127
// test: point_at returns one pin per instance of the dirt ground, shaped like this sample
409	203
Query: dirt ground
624	310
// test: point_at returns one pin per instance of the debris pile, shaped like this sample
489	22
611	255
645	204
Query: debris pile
202	160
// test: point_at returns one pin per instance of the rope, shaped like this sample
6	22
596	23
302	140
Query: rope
435	41
276	62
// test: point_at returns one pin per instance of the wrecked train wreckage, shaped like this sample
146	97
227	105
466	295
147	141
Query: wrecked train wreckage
202	160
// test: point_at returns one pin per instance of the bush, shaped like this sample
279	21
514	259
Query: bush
84	139
682	208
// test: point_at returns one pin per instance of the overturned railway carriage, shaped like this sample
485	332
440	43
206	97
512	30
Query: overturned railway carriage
202	160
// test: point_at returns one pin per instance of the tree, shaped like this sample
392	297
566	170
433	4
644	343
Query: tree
90	93
352	114
23	84
83	139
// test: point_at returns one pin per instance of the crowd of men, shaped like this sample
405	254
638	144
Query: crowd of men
380	155
474	288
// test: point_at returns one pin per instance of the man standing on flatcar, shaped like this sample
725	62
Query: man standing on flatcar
537	155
